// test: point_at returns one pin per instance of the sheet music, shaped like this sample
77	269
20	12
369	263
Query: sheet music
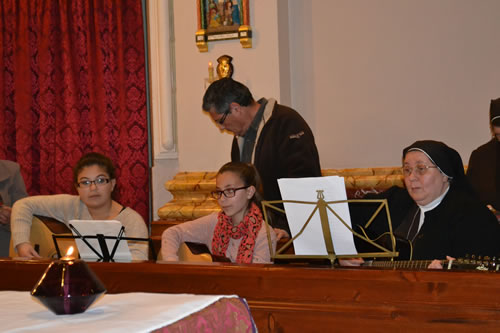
105	227
311	241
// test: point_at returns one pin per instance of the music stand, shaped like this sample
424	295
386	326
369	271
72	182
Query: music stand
322	206
89	248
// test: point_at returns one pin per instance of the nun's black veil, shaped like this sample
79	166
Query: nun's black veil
447	159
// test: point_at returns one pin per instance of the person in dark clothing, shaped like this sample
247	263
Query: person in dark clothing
483	171
438	213
274	137
12	188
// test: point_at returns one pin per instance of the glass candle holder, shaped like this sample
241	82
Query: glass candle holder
68	286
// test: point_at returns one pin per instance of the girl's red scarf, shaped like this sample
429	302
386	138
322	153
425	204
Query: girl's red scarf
248	229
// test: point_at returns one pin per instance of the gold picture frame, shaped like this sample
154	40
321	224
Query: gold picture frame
222	20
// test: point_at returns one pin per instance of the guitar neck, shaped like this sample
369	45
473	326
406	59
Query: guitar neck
480	264
411	264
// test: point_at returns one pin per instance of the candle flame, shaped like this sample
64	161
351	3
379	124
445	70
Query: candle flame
70	251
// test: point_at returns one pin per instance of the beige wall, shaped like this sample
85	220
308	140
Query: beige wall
201	146
370	77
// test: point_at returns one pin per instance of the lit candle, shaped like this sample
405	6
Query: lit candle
210	72
68	285
68	254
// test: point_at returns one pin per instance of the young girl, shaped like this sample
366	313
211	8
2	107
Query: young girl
238	231
94	177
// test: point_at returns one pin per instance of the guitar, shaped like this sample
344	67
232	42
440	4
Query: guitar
405	249
480	264
197	252
42	229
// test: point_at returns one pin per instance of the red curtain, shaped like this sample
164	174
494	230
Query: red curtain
73	81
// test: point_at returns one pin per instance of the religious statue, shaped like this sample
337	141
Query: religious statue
225	67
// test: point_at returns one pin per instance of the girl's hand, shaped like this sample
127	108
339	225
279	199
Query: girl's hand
26	250
280	233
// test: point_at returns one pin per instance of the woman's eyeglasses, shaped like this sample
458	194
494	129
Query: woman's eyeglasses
97	182
420	169
228	192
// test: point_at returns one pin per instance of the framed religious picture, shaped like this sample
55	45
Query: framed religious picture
223	19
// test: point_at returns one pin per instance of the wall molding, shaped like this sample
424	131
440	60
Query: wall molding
163	81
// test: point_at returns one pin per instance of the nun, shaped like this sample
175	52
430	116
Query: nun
437	214
484	163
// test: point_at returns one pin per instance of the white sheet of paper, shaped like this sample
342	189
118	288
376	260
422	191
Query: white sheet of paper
105	227
311	241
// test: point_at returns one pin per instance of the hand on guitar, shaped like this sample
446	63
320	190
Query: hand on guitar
280	233
351	262
26	250
438	264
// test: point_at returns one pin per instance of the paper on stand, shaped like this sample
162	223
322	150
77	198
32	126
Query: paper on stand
311	241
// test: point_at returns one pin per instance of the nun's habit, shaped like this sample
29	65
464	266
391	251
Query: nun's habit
484	164
458	226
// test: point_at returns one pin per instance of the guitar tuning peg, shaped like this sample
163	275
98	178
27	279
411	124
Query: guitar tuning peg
487	261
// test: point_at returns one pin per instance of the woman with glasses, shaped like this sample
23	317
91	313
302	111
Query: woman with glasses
237	231
438	213
95	179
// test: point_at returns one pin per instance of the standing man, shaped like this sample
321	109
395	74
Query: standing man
11	189
274	137
484	163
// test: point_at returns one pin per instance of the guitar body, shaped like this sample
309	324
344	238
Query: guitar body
196	252
403	246
42	229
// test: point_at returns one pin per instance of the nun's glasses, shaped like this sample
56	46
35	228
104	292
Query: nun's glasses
420	169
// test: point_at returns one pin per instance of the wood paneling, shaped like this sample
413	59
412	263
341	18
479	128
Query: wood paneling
307	299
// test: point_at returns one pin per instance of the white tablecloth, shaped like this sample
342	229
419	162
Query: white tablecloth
130	312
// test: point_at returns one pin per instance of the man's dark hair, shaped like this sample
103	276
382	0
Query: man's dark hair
221	93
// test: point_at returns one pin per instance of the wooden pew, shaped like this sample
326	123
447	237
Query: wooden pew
311	299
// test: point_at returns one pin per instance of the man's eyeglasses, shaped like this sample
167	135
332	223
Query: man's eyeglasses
97	182
228	192
420	169
221	120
